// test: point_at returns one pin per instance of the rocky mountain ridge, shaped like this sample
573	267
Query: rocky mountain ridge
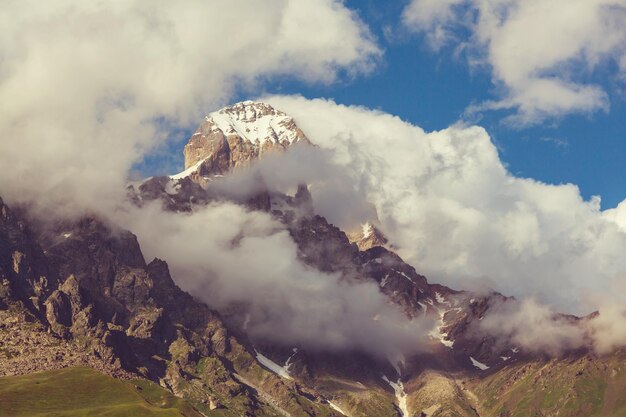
82	291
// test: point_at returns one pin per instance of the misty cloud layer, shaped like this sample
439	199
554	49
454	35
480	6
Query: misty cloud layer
335	194
538	328
456	214
232	258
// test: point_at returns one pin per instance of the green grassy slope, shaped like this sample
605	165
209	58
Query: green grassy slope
74	392
564	388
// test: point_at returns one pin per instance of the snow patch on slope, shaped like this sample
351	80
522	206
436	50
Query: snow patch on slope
441	299
404	275
255	122
438	333
289	362
423	307
282	371
187	172
336	408
384	281
479	365
401	396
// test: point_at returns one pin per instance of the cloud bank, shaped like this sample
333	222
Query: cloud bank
457	215
246	263
335	195
538	328
542	54
617	215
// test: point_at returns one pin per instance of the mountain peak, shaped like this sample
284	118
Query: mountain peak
235	135
255	122
248	110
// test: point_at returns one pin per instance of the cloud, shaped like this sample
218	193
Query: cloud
90	88
433	16
532	326
542	53
617	215
537	328
446	200
608	330
335	195
245	263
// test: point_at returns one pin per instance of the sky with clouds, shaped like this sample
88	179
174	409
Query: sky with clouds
550	92
480	130
554	102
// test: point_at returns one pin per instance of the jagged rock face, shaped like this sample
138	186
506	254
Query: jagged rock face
59	311
324	246
235	136
175	195
397	279
25	277
108	266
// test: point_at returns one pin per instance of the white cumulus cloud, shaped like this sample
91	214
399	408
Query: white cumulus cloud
456	213
618	215
542	53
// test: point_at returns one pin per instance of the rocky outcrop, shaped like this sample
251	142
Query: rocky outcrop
28	346
59	312
26	280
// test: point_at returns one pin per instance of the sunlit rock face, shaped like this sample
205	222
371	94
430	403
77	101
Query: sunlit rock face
234	136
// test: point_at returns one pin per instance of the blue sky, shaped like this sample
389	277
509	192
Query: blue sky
432	89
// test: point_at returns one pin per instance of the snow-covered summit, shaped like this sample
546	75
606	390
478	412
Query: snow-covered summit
255	122
237	134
